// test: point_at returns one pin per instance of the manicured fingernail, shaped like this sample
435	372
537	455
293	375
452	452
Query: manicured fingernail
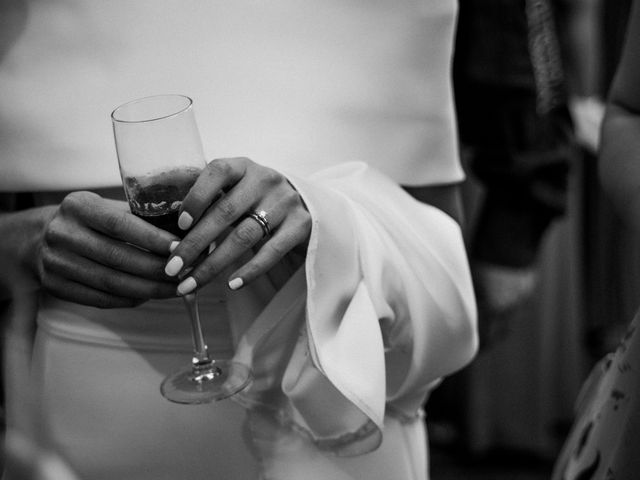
173	266
235	283
188	285
173	246
184	221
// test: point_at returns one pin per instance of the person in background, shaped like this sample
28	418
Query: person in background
605	438
517	134
523	82
349	308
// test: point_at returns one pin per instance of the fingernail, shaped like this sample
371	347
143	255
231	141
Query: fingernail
188	285
173	266
173	246
212	246
235	283
184	221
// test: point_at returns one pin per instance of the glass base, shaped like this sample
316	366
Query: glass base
221	380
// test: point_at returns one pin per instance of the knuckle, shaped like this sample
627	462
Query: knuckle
205	272
116	222
271	178
73	200
226	210
115	256
55	232
77	201
277	250
108	284
244	236
153	236
290	200
190	245
218	168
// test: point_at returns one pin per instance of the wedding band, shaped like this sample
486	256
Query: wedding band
261	218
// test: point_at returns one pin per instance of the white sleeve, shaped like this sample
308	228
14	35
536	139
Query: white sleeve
389	308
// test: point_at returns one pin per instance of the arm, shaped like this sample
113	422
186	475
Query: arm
580	36
19	231
619	159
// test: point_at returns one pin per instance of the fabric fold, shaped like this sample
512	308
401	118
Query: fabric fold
384	307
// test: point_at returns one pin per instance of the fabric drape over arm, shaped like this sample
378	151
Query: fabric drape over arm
383	308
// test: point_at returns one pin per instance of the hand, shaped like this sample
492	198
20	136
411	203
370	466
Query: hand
223	218
95	252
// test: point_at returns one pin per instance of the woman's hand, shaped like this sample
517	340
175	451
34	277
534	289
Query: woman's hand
95	252
248	188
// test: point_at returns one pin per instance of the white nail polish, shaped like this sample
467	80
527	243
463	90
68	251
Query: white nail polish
173	246
235	283
173	266
184	221
188	285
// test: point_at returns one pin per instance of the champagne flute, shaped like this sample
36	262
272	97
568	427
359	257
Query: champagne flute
160	156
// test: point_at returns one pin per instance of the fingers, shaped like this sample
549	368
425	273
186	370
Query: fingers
218	176
102	281
71	291
214	212
242	238
224	219
290	227
85	255
271	253
114	219
105	250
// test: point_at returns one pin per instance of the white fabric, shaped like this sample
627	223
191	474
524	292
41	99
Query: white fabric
288	83
344	354
389	310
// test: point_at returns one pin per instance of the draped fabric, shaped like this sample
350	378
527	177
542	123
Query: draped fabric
377	281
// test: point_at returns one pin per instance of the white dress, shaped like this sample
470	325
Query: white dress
345	350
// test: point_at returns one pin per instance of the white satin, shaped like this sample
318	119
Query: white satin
383	309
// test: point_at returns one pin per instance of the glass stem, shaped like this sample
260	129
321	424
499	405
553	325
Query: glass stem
200	353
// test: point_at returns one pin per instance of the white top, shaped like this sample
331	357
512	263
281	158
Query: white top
284	82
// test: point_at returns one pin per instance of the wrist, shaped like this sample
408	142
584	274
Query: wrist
22	234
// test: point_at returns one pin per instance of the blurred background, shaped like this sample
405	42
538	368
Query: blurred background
554	268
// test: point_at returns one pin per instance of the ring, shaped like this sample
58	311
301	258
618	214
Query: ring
261	218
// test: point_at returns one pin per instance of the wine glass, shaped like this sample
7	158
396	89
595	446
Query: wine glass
160	156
